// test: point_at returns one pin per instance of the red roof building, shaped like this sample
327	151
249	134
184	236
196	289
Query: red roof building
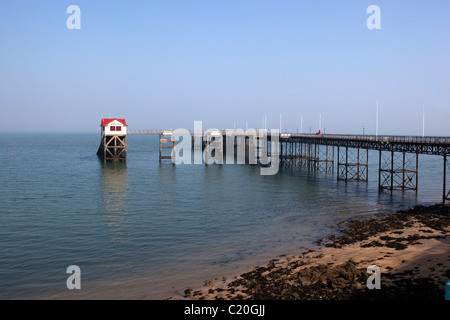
114	126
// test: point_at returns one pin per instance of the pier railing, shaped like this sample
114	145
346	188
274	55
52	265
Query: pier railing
355	137
374	138
150	131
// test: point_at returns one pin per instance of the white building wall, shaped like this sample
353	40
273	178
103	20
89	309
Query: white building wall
115	123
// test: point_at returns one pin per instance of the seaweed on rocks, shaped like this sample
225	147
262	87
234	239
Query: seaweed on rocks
307	278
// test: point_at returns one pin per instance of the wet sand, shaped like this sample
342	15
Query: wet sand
410	247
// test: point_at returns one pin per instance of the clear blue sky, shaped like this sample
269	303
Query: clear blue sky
166	63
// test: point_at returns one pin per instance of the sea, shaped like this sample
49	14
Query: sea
145	230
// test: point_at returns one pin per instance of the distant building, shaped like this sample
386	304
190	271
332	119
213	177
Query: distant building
113	145
113	127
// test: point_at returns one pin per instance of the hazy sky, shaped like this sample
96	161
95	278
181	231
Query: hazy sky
166	63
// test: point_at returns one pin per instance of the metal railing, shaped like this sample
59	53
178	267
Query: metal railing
151	131
374	138
393	139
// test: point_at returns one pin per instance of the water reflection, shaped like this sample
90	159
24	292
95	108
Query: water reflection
167	181
115	200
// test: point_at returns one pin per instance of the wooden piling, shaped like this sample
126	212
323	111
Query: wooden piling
166	142
113	148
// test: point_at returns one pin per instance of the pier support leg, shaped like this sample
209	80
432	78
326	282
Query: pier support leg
322	158
281	154
213	148
113	148
313	157
292	155
261	148
304	154
352	164
398	171
288	157
445	192
326	159
166	142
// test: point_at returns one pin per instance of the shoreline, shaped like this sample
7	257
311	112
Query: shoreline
410	247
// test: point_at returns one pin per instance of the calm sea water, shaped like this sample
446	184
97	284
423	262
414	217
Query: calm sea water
142	230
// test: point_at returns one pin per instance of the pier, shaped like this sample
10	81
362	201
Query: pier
398	162
347	156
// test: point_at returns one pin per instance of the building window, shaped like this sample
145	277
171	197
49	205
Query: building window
115	128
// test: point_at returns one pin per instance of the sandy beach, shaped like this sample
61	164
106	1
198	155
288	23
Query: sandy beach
410	247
